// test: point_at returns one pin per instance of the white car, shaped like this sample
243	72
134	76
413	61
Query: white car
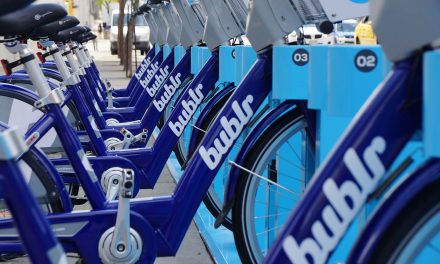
141	40
345	31
313	36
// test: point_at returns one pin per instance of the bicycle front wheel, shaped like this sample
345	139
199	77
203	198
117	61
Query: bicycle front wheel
414	236
272	179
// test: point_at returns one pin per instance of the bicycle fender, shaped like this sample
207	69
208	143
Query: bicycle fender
247	146
24	78
395	200
59	184
20	90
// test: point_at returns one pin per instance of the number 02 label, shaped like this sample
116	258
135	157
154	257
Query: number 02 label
366	60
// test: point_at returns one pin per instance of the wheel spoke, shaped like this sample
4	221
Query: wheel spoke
263	178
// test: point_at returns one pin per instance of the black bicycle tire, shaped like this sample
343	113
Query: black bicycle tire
407	222
286	121
209	202
31	101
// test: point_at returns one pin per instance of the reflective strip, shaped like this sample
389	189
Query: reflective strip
87	165
97	107
95	127
57	255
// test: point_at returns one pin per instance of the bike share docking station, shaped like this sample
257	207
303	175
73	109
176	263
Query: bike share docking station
335	81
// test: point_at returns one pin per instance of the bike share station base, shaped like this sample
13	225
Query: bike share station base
335	81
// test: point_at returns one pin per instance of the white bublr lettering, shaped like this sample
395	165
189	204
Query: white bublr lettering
169	91
344	203
143	67
160	78
231	131
189	108
150	74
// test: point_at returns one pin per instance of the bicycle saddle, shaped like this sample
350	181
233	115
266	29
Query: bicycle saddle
87	28
55	27
69	34
24	21
7	6
86	37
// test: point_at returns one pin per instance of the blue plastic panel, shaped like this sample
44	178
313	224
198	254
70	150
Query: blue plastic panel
156	48
199	56
227	63
179	52
354	72
195	65
246	57
318	77
291	72
431	106
206	54
166	51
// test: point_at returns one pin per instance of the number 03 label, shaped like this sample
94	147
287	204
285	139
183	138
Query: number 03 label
300	57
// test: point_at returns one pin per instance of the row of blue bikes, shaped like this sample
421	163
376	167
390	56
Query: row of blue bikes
307	154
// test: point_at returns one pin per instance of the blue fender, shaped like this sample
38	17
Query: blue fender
205	112
23	77
17	89
390	208
51	170
251	139
51	73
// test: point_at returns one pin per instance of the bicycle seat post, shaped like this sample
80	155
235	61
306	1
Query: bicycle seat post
31	65
69	79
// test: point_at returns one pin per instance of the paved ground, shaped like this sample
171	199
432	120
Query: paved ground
193	249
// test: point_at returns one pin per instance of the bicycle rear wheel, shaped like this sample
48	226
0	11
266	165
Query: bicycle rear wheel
275	175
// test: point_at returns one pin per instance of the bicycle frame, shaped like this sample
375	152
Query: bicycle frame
159	101
357	163
140	99
152	160
171	216
147	163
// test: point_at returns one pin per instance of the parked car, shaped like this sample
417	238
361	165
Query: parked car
364	33
313	36
344	31
141	39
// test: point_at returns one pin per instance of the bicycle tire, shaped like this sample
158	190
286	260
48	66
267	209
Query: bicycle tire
413	218
51	203
289	124
44	177
212	203
31	101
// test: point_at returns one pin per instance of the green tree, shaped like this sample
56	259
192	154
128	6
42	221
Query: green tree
105	3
